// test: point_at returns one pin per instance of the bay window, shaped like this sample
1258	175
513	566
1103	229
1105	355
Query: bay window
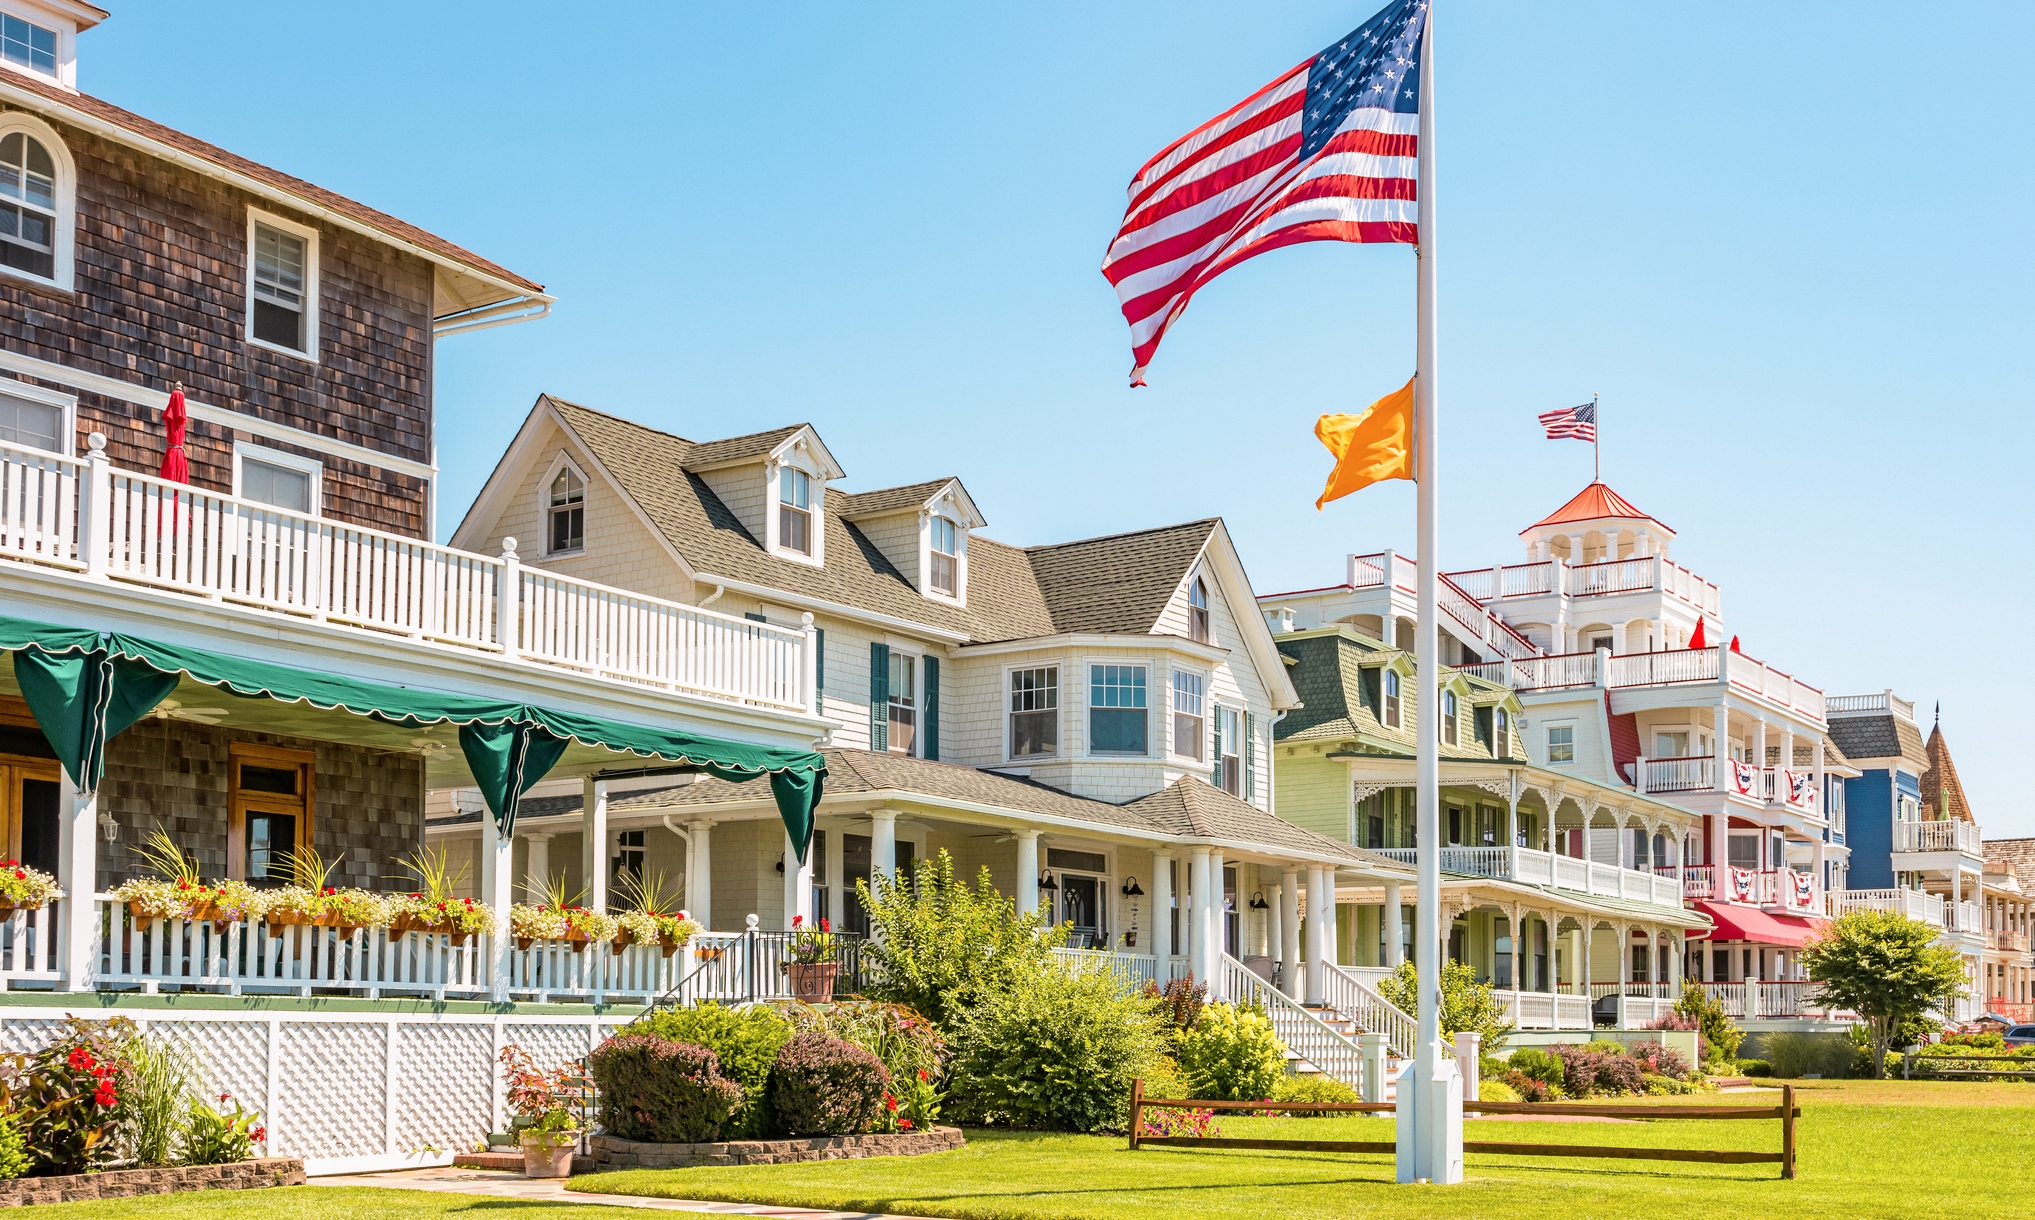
1117	709
1034	712
1187	714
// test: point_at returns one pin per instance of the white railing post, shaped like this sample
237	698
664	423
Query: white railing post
508	597
809	666
1602	665
1469	1055
95	508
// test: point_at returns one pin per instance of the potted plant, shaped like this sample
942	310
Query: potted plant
543	1103
170	892
560	918
644	922
432	908
25	889
812	966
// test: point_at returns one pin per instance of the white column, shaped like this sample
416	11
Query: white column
1320	932
699	874
798	885
1759	757
1395	932
883	846
1028	872
1720	749
1162	911
1720	853
497	881
835	878
1275	933
1218	923
537	868
593	850
77	872
1198	958
1816	872
1289	933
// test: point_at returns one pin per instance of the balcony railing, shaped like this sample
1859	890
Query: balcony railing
1787	889
1388	569
1698	774
1524	864
1966	917
1943	834
2008	940
1913	903
1590	580
137	529
1755	999
1885	701
1681	666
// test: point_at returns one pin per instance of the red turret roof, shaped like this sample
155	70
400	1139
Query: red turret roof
1594	503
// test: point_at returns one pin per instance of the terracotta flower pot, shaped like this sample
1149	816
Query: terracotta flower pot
544	1159
813	982
8	908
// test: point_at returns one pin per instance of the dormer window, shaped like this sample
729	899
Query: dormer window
946	557
1501	733
28	44
1391	716
567	513
795	510
28	204
1448	718
1197	612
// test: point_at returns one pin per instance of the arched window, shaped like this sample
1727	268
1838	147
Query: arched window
1197	612
29	215
567	512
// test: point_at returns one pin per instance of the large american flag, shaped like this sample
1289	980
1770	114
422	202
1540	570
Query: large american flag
1571	423
1327	152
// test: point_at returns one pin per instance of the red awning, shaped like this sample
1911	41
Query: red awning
1748	923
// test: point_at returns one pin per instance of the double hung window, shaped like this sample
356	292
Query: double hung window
1230	747
1197	611
1034	712
1187	714
281	287
567	513
946	558
795	510
904	704
1501	733
1117	709
1561	744
1448	717
35	425
1391	714
28	205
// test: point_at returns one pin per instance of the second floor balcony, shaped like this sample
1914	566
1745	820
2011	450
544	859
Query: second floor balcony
1789	891
1691	667
105	525
1533	867
1942	835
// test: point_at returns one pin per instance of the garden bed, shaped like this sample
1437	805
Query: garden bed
611	1153
170	1179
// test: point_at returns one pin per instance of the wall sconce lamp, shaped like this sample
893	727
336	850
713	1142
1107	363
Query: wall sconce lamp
1132	889
1046	881
1258	902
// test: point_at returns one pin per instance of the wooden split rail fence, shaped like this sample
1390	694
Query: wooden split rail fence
1787	1112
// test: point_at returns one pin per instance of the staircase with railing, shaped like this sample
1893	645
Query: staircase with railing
1310	1039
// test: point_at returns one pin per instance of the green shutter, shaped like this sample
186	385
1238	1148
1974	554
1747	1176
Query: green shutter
1216	724
820	667
1250	761
931	738
879	697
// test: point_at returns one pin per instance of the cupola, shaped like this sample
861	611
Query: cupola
1597	526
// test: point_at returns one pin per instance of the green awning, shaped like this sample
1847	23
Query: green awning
508	745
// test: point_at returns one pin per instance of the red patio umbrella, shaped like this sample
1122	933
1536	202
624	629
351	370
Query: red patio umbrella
1697	640
176	467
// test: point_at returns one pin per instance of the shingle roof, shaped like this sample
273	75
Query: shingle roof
1805	753
1189	808
734	448
84	104
1593	503
1327	675
1114	584
1883	735
1940	788
912	495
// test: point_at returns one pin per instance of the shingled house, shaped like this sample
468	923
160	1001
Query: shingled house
1090	720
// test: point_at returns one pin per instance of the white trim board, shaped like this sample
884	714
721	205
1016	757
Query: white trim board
112	387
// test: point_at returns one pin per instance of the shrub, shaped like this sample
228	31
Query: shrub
1180	1003
1720	1039
1537	1065
1529	1089
1232	1054
662	1092
14	1159
1467	1006
1496	1090
1058	1051
940	947
214	1136
1317	1090
745	1044
1667	1086
71	1100
1588	1070
822	1085
1755	1067
1676	1022
1794	1054
907	1043
1163	1080
1660	1059
1985	1040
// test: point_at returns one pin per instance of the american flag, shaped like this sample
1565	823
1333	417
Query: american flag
1327	152
1571	423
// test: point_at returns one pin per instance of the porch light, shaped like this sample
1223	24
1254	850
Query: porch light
1132	889
1046	881
109	826
1258	902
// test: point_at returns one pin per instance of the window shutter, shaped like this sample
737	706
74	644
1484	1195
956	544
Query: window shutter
820	667
931	740
754	617
879	697
1215	722
1250	760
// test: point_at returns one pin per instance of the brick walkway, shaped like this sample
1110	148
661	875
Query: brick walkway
552	1190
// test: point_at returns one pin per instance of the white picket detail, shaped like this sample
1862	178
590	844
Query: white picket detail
1304	1033
1374	1014
39	506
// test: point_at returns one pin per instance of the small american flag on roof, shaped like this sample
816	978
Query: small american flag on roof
1571	423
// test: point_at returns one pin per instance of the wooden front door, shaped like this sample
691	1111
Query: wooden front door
28	809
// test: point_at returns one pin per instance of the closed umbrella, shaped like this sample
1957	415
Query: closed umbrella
176	467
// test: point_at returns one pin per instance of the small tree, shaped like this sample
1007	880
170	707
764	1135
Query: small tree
941	946
1467	1006
1888	969
1720	1037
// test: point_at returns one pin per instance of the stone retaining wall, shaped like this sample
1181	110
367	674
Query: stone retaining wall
126	1183
612	1153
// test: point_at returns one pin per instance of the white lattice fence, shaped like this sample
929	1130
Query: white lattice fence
352	1092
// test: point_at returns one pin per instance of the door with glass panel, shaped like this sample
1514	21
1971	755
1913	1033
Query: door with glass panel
29	809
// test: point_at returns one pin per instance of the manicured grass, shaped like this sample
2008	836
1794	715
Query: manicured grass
1893	1148
324	1203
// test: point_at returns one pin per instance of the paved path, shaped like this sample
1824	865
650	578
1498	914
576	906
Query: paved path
552	1190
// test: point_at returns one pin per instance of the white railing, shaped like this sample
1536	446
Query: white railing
1756	999
1912	903
1885	701
1663	668
1132	967
1964	917
139	529
1541	1010
1512	580
1688	586
1304	1034
1616	576
1698	880
1943	834
1534	867
1540	673
1355	998
1697	774
28	943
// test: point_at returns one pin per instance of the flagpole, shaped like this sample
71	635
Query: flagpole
1431	1136
1597	441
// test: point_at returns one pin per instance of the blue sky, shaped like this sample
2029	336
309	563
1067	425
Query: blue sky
1787	243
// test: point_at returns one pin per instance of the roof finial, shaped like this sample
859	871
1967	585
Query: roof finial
1939	714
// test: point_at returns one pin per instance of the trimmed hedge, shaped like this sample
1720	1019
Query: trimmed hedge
822	1085
662	1092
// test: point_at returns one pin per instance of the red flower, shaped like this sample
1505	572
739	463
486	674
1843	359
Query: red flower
469	902
922	1074
796	920
905	1123
890	1102
824	925
80	1060
226	1097
104	1094
7	863
19	875
183	885
259	1135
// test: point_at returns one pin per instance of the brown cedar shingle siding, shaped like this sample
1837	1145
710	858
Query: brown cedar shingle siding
1940	786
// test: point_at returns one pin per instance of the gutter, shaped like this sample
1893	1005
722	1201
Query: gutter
770	593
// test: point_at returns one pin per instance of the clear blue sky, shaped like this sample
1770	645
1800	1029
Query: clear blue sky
1788	243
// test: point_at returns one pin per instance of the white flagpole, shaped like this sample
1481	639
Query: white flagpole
1435	1126
1597	443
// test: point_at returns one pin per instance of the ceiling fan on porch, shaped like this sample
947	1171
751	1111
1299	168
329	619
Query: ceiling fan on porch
171	709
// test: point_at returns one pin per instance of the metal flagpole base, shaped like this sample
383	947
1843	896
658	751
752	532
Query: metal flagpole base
1429	1132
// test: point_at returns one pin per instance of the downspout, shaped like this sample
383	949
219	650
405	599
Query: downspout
1272	763
716	596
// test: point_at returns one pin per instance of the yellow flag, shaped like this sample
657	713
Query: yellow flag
1371	447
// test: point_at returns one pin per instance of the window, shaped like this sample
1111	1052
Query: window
1116	709
566	513
795	510
283	480
1561	744
1197	612
1501	733
1187	715
1670	745
269	811
946	558
1391	716
1600	641
280	290
35	425
1034	711
904	704
28	205
1448	718
28	44
1229	750
625	869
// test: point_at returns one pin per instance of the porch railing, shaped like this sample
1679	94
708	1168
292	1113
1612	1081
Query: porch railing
1546	1010
28	946
1913	903
139	529
1536	867
1756	999
1356	999
1304	1034
754	964
1693	774
1137	968
1942	834
1964	917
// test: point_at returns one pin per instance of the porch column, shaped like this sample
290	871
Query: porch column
497	886
1289	932
1275	924
1678	946
593	841
1218	922
1395	932
1320	917
1512	817
1027	872
1518	930
1720	747
1162	912
883	846
1197	919
1720	854
77	872
537	869
798	884
1816	873
699	874
1759	756
1586	967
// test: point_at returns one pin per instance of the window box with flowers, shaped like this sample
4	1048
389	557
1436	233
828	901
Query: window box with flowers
432	909
25	889
812	967
575	925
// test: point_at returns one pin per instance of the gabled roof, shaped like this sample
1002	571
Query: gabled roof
1118	584
912	496
1328	676
1940	788
699	456
1193	809
1883	735
1595	503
